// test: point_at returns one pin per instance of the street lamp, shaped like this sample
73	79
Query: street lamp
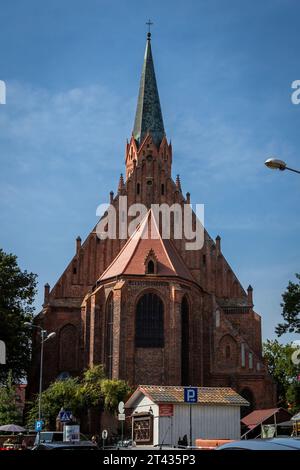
275	164
44	337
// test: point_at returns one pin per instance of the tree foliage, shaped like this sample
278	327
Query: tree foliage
9	412
290	309
79	395
284	372
17	292
113	392
60	394
90	388
293	397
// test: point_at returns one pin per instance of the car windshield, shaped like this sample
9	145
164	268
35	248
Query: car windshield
49	437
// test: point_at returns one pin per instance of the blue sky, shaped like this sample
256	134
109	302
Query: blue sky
224	71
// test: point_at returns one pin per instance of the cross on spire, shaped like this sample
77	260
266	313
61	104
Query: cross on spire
149	24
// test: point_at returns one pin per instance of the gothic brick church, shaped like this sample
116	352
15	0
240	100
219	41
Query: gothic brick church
148	309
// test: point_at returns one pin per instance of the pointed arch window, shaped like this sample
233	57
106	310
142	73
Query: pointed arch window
149	322
185	336
150	263
68	348
109	320
74	267
150	267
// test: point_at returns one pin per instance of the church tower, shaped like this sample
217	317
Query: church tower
148	153
149	310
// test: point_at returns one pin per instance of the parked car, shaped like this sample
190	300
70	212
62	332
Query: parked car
276	443
125	443
77	445
48	437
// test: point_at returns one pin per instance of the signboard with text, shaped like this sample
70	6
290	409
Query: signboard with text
166	409
71	433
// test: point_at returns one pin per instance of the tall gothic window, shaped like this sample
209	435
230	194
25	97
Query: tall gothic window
149	322
185	342
109	336
68	348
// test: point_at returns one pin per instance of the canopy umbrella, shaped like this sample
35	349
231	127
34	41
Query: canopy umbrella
12	428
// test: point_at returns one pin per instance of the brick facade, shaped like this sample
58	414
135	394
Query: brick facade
222	331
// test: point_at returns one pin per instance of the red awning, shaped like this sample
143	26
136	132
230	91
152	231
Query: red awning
258	416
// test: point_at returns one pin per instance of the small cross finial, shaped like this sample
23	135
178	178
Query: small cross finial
149	24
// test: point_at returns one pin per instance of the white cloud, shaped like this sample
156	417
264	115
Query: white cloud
77	127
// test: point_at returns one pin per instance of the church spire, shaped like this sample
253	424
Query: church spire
148	117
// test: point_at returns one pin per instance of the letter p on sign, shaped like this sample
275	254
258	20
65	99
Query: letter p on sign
2	92
191	395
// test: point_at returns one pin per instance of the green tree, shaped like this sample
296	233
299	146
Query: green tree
9	412
293	397
79	395
290	309
90	392
60	394
17	292
113	392
280	366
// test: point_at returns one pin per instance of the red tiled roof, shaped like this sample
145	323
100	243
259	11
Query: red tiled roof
257	417
131	259
173	394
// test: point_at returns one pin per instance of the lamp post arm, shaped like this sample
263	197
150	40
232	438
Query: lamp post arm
291	169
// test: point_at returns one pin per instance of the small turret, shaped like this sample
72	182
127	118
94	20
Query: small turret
218	244
178	183
46	293
78	245
250	295
121	185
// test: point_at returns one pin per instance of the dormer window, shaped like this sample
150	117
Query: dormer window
150	267
150	263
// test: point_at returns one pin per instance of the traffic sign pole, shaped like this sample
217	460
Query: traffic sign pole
190	397
104	437
191	430
121	408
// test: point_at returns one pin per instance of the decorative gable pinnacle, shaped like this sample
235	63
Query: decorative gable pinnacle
178	183
121	186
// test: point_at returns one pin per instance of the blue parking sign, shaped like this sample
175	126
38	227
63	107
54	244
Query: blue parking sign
190	394
38	425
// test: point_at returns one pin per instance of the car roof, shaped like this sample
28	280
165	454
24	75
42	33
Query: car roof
288	443
69	444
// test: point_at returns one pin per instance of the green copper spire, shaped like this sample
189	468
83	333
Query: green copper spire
148	115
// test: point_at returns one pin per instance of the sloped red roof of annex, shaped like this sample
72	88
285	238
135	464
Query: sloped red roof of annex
131	259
